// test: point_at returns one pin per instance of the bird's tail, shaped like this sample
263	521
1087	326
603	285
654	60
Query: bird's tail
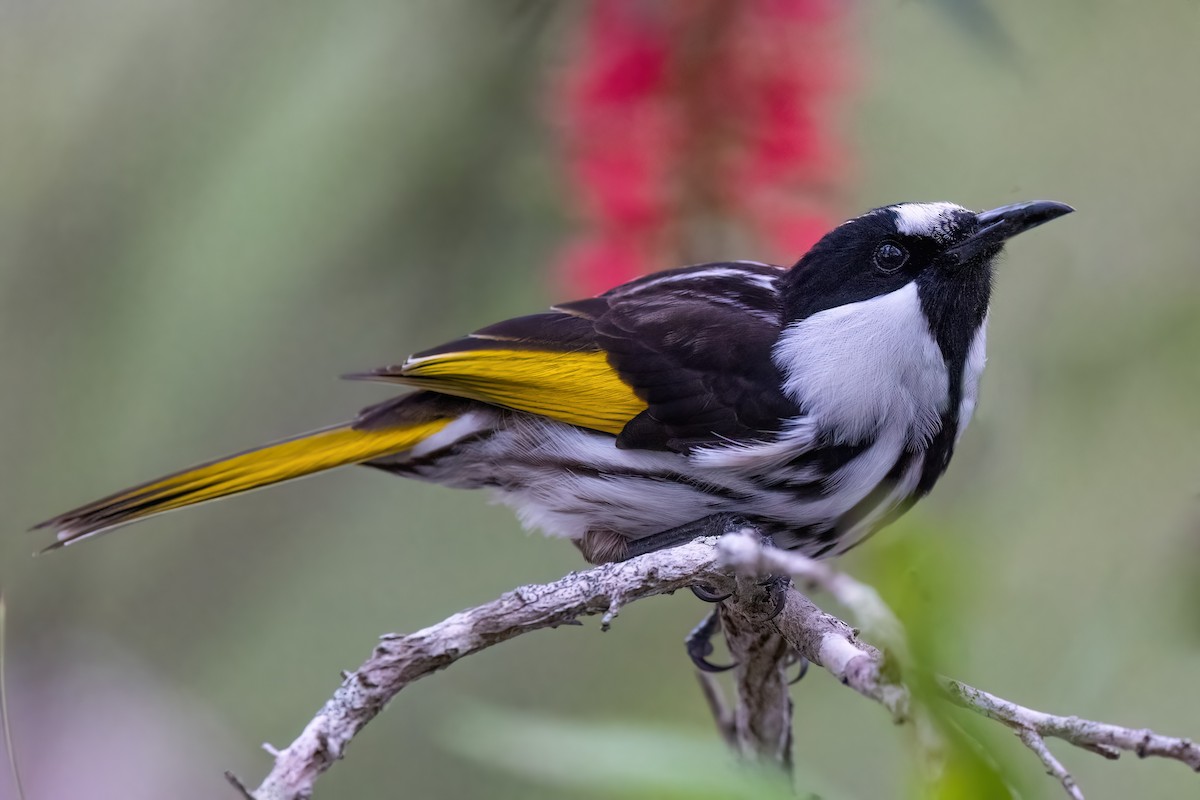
273	463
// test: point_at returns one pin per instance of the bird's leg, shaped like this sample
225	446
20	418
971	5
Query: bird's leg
699	643
713	525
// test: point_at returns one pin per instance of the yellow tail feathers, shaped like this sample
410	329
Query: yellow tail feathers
273	463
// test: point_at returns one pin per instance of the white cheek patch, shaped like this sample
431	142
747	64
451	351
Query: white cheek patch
864	365
925	219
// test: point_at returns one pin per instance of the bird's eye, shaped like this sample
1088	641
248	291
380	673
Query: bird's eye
890	257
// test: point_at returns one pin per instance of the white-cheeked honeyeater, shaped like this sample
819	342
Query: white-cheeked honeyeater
818	402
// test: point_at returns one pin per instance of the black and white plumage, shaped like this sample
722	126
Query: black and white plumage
819	401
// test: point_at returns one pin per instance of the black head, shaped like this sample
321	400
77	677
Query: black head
947	249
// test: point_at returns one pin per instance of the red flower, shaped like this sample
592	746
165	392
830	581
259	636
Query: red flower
679	115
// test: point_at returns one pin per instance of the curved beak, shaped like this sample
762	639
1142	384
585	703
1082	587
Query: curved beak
1000	224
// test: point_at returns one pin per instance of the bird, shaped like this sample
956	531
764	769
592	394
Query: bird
818	402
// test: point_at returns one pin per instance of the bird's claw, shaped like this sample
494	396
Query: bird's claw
699	644
699	641
703	664
796	658
706	593
778	586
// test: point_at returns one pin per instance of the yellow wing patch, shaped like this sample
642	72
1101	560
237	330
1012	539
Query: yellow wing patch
576	387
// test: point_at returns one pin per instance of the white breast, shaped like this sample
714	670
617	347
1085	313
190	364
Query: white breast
972	371
864	365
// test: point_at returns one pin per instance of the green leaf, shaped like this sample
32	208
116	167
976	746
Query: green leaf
618	759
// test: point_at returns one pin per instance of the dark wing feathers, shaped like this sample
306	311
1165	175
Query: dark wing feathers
590	308
698	352
694	344
548	330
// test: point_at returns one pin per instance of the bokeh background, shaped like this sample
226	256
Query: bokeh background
210	210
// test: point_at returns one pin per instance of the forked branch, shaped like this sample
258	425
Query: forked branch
758	725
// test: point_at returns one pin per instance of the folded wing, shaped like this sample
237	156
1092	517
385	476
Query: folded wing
672	361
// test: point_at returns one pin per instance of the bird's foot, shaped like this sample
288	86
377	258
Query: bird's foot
777	586
699	644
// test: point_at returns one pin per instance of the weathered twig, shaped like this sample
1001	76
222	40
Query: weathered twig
762	716
863	672
1099	737
1054	767
759	725
398	661
746	555
830	643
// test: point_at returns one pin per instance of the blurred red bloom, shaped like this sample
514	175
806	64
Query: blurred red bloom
690	125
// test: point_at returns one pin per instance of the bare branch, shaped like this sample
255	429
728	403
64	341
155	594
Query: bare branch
238	785
1100	737
745	554
400	660
830	643
763	714
760	723
1054	767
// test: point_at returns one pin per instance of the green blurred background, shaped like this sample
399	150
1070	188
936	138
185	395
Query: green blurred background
209	210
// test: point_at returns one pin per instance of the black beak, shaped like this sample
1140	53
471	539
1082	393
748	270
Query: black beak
1000	224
